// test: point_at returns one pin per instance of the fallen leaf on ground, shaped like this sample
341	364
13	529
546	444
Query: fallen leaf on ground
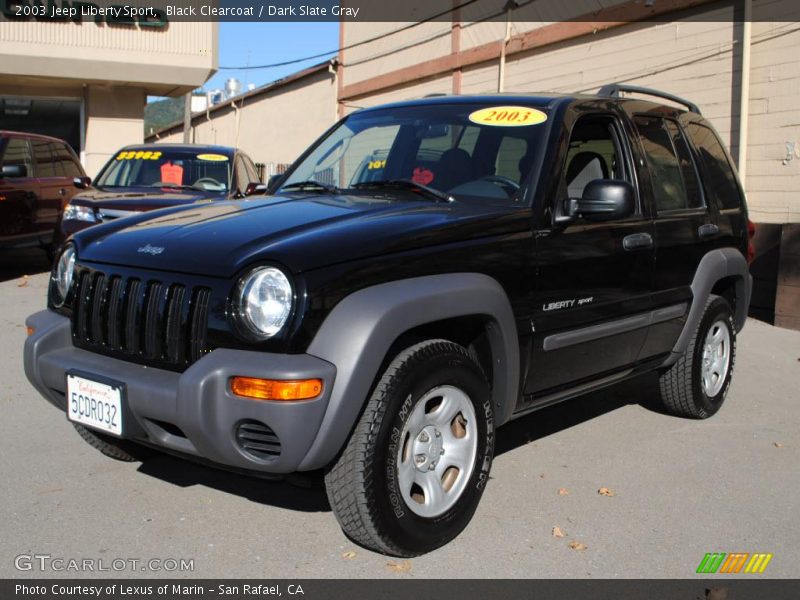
777	444
557	532
604	491
349	555
577	545
24	281
563	492
401	567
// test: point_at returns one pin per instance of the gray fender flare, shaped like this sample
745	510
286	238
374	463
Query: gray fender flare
714	266
359	331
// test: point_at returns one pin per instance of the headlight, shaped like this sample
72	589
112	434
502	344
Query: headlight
62	277
264	299
76	212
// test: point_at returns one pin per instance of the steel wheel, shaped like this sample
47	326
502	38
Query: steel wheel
716	358
437	455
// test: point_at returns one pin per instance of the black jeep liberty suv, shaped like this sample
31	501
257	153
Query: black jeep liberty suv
425	273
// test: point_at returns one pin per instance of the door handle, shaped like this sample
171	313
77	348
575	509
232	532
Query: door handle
637	240
707	230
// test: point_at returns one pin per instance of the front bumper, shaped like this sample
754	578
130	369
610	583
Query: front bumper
193	412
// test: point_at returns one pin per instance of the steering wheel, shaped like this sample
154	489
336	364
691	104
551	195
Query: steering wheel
509	186
207	180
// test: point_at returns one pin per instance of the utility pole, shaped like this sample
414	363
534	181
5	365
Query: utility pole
187	117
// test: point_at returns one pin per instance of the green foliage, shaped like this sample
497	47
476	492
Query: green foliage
161	113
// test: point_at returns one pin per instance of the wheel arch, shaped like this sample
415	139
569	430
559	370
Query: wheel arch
362	331
723	272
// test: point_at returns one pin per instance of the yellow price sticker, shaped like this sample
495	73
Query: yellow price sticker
376	164
508	116
138	155
212	157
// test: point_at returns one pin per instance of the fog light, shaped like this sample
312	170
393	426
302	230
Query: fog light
271	389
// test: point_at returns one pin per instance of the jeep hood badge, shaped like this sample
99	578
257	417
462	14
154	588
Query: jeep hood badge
152	250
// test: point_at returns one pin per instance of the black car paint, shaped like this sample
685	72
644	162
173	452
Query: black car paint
336	245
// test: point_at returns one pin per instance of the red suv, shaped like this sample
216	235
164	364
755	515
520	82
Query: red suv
37	179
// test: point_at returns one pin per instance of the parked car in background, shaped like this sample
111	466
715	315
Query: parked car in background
149	176
37	179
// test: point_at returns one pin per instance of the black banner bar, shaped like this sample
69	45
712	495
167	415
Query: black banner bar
399	589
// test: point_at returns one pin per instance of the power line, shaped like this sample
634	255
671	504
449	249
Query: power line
356	45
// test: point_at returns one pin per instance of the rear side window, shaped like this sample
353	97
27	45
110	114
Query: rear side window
65	163
672	172
44	160
17	153
719	179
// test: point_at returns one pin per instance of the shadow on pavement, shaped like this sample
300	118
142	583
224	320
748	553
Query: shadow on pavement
16	263
641	390
305	492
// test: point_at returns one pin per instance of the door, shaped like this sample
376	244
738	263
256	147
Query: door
685	229
19	196
593	279
53	186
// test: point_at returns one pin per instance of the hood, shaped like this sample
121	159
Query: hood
140	198
302	233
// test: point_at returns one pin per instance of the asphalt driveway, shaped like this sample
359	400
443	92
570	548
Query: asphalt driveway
676	489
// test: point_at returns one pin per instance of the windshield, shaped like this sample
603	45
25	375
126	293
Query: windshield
472	152
195	169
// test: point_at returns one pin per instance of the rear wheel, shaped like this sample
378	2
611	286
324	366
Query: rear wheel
123	450
697	384
414	469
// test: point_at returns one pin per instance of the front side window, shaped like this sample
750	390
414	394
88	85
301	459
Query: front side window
443	147
196	169
674	178
17	153
595	152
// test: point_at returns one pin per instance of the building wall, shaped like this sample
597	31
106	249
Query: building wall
696	54
167	61
113	119
271	127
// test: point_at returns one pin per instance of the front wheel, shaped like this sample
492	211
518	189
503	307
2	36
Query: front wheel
415	467
115	448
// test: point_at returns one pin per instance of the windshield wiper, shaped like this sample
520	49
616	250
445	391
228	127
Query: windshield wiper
407	184
311	184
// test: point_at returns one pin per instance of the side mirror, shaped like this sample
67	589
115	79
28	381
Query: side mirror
604	200
82	183
273	180
255	188
14	171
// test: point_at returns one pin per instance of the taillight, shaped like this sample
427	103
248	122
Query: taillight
751	249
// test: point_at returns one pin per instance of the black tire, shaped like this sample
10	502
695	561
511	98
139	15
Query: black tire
118	449
681	388
362	485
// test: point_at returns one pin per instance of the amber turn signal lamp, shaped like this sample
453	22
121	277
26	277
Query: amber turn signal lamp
271	389
31	330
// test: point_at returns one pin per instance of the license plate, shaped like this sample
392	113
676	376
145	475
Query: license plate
94	404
